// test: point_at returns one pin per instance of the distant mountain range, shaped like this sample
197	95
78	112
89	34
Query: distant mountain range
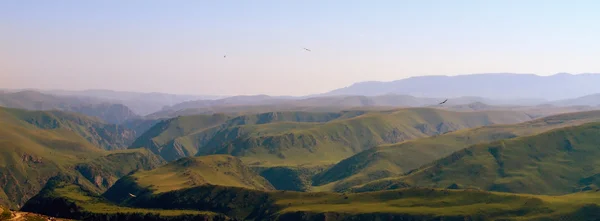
140	103
488	89
493	86
33	100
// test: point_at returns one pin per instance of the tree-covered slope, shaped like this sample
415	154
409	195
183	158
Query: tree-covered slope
559	161
396	159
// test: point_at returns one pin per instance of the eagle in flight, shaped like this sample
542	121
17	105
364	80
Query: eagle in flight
443	102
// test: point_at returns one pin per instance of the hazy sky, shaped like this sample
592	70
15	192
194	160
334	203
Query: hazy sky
178	46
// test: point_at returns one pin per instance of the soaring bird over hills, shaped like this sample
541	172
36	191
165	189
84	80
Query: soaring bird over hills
443	101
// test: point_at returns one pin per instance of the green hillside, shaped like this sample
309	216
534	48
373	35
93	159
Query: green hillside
95	131
303	138
64	199
556	162
36	145
188	172
183	136
396	159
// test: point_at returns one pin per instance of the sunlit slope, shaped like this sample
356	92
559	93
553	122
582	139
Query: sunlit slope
30	155
98	133
396	159
308	138
183	136
559	161
65	199
223	170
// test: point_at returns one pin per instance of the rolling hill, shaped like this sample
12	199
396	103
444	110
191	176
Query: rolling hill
140	103
396	159
190	172
33	100
94	130
256	104
180	137
302	138
555	162
37	145
493	86
63	199
590	100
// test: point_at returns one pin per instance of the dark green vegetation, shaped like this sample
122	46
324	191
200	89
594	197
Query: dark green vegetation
37	145
306	138
64	199
396	159
32	100
556	162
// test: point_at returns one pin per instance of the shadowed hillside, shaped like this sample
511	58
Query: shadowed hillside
64	197
559	161
73	201
397	159
35	146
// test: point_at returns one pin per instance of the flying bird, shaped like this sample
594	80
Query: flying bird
307	49
443	102
131	195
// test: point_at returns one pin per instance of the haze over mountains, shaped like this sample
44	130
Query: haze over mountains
490	89
366	156
494	86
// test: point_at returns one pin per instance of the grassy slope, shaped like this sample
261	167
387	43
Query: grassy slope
405	204
62	198
396	159
195	171
107	136
35	149
297	138
327	143
182	136
555	162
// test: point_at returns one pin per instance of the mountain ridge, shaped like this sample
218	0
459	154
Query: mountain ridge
486	85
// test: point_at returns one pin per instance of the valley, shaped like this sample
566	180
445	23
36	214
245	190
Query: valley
334	158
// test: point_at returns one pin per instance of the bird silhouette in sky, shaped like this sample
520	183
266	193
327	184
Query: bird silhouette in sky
443	101
307	49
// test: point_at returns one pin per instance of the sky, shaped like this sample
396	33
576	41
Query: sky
178	46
